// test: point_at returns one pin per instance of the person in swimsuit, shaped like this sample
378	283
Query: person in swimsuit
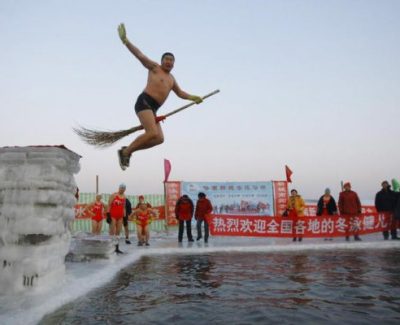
97	209
143	216
160	82
116	211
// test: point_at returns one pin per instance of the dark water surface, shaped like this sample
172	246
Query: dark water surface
342	287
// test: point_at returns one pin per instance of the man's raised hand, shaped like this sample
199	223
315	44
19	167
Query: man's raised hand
122	33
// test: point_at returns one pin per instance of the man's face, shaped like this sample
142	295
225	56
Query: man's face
347	187
385	185
167	63
121	190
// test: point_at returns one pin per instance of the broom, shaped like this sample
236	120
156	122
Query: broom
104	139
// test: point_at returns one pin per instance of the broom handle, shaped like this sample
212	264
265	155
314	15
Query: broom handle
190	104
140	127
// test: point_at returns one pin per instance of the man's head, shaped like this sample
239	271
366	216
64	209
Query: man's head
98	197
327	191
142	206
385	185
293	192
201	195
167	61
141	199
347	186
121	188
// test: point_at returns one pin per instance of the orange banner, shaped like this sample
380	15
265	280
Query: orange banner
172	193
325	226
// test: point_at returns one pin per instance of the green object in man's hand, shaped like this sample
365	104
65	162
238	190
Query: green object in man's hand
122	33
196	99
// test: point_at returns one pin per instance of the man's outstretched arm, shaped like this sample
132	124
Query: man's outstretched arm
149	64
184	95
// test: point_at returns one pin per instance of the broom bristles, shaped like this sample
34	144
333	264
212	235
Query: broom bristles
105	139
102	139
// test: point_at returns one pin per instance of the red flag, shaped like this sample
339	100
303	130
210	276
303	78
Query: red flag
167	169
288	174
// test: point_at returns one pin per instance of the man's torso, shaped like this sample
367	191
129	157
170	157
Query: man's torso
159	84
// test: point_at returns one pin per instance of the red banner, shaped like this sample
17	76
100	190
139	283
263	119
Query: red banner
280	197
82	213
326	226
311	210
172	194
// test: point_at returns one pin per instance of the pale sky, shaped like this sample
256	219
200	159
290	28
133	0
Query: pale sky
311	84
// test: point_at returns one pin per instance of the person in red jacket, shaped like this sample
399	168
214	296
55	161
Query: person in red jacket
203	209
184	213
349	207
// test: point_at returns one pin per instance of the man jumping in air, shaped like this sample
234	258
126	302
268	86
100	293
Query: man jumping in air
160	82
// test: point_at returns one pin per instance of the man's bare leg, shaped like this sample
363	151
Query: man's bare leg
151	137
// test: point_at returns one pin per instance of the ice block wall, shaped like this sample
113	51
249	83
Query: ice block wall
37	197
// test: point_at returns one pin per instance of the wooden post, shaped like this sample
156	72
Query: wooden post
97	184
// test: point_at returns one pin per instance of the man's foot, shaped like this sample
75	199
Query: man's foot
191	240
356	238
347	238
395	238
198	238
127	241
140	243
300	239
206	241
147	243
294	239
117	250
123	159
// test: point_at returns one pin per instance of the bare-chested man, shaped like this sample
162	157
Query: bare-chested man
160	82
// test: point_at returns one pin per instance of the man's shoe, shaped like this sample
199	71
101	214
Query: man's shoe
347	238
140	243
356	238
147	244
127	241
117	250
123	159
198	238
191	240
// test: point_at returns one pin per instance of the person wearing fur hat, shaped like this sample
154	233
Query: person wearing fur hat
349	207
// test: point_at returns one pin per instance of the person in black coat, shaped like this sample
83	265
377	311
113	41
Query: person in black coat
397	208
385	201
326	205
128	211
